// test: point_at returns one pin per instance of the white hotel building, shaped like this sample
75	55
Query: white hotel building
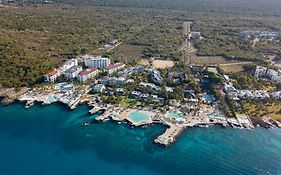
73	72
69	64
96	62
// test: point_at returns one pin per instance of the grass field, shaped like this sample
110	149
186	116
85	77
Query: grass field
233	67
127	52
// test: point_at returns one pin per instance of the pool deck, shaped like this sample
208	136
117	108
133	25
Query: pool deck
122	114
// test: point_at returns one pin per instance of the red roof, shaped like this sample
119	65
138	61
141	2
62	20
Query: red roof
87	71
52	73
113	66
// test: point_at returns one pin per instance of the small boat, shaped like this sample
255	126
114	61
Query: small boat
85	124
29	104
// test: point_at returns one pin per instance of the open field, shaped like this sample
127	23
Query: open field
159	64
233	67
127	52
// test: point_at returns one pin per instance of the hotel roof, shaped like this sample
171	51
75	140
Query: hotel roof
52	73
73	69
113	66
88	71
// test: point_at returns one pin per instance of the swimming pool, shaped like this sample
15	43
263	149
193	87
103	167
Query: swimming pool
174	114
208	98
138	117
52	99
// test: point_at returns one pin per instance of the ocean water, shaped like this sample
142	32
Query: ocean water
50	140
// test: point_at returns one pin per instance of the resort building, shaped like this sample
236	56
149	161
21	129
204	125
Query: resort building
150	87
267	73
135	94
246	94
261	94
69	64
155	76
260	71
99	88
97	62
114	67
52	75
273	75
262	35
113	81
73	72
130	70
276	95
120	91
231	91
87	74
109	92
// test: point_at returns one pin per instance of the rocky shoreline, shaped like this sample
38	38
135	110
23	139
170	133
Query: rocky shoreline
10	95
200	119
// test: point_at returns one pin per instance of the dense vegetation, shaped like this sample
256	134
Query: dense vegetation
37	37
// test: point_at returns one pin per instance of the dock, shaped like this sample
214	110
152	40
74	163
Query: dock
105	116
169	136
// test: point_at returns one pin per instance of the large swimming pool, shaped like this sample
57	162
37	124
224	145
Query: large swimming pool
138	117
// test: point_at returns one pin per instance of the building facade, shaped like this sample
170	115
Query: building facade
69	64
73	72
99	88
114	67
87	74
52	76
96	62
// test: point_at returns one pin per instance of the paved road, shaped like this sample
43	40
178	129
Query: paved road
186	46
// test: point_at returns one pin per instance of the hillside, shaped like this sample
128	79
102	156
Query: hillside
37	37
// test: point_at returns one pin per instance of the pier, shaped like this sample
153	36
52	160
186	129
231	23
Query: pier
104	116
169	135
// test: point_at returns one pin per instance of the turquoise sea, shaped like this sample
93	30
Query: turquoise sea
50	140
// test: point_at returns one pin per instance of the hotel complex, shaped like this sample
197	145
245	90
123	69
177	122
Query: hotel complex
70	69
97	62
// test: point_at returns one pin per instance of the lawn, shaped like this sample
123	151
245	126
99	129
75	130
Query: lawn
233	67
127	52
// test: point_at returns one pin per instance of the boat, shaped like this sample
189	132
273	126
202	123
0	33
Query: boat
85	124
29	104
